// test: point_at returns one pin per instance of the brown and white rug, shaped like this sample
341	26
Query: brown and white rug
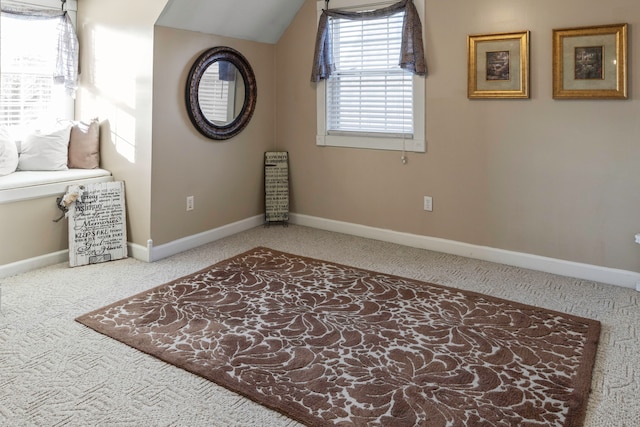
329	344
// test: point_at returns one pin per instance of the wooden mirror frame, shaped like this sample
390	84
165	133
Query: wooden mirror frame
204	126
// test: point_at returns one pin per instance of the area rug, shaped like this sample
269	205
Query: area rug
328	344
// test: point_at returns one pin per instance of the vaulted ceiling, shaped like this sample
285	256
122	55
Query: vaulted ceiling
257	20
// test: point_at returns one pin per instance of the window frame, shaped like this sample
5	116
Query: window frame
67	111
417	143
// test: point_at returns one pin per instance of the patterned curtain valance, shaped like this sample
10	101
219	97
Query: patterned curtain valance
66	71
411	51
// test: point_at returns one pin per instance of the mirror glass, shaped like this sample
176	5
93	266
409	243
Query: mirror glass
221	93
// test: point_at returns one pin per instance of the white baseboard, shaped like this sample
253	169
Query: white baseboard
22	266
147	254
25	265
138	251
156	253
627	279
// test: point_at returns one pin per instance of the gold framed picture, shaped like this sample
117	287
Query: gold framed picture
498	65
590	62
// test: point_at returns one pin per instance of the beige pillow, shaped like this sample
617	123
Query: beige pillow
84	145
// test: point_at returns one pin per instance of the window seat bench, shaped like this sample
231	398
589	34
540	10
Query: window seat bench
25	185
28	234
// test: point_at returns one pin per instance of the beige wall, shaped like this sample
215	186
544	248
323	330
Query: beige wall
116	85
539	176
225	177
27	229
133	78
552	178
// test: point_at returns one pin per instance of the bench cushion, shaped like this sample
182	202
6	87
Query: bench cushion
22	185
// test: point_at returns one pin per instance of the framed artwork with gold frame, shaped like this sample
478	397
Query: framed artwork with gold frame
590	62
498	65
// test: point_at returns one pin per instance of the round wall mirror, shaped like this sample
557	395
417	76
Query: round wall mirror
221	93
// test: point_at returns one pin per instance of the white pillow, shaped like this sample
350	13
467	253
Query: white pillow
8	153
45	151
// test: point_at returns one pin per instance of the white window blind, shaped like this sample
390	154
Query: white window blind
26	86
369	93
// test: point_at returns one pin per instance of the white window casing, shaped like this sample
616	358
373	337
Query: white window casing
397	132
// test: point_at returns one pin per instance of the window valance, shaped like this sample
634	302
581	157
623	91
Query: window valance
412	49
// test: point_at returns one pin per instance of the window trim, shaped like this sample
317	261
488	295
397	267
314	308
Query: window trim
359	140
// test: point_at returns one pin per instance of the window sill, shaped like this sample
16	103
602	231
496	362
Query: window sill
373	143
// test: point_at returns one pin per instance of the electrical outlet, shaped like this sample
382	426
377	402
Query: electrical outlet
190	203
428	203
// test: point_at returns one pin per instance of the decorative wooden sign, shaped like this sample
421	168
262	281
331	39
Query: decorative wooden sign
276	186
97	223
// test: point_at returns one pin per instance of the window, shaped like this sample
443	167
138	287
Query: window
369	92
369	101
28	55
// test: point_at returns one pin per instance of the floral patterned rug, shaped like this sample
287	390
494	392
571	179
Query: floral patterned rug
328	344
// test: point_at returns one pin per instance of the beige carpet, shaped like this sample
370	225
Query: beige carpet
54	371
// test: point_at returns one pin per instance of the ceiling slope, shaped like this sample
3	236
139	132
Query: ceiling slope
258	20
